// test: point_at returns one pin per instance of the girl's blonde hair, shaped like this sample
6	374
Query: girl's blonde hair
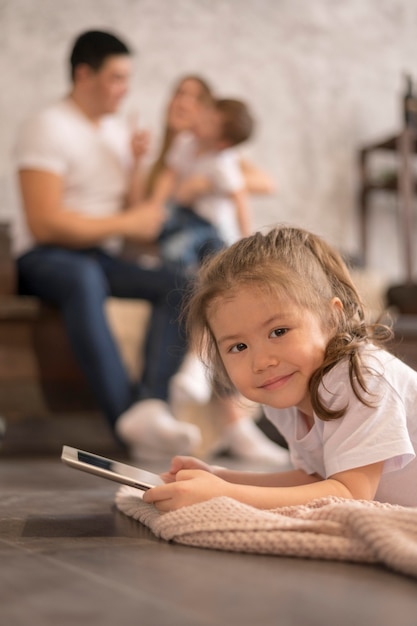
205	96
296	265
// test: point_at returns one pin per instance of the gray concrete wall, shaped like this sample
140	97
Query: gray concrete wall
322	76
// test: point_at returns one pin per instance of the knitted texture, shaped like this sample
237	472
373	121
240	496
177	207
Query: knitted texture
326	528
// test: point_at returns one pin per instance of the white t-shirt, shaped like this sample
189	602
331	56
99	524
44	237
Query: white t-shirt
222	169
93	161
364	435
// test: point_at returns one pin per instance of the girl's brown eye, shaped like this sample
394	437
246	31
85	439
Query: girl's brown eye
279	332
239	347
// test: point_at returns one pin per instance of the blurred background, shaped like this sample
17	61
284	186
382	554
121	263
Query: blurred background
323	78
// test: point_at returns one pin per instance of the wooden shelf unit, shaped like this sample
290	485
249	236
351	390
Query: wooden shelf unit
402	182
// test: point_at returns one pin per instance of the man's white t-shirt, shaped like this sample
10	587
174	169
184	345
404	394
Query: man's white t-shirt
222	169
387	431
93	161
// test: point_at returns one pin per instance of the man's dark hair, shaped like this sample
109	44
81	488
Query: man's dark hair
93	47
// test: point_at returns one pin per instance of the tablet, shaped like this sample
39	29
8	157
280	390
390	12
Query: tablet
108	468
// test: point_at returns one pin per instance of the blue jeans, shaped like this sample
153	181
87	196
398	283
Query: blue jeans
187	239
78	283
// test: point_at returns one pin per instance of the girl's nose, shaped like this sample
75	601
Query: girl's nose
263	359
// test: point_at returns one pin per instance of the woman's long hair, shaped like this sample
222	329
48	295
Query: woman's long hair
169	133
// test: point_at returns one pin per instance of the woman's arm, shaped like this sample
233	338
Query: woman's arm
191	188
140	147
164	186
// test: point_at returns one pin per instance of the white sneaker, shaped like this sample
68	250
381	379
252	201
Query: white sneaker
244	440
150	431
191	383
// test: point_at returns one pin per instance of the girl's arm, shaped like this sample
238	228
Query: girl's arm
290	478
242	212
261	479
256	180
197	485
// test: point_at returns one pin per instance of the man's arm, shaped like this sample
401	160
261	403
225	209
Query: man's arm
51	223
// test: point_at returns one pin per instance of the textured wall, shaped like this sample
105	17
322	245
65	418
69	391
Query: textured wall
322	76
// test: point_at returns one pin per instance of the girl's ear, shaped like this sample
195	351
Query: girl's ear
336	303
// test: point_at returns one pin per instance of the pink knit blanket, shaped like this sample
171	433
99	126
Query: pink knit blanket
327	528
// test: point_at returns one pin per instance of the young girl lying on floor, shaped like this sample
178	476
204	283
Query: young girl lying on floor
282	322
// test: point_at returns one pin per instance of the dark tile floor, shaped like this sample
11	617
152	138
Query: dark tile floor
69	557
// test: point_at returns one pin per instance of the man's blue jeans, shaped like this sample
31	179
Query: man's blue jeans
78	283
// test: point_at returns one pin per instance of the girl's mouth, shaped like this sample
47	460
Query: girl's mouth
276	383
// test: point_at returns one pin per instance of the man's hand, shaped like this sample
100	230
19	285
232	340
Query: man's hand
143	222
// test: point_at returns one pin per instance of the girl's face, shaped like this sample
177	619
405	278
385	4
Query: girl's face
207	126
269	347
185	106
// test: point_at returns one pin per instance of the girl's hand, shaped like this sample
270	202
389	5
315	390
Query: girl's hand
179	463
190	487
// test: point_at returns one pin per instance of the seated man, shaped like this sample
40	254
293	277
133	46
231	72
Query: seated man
74	160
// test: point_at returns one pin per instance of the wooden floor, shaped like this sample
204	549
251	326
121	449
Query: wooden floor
69	557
